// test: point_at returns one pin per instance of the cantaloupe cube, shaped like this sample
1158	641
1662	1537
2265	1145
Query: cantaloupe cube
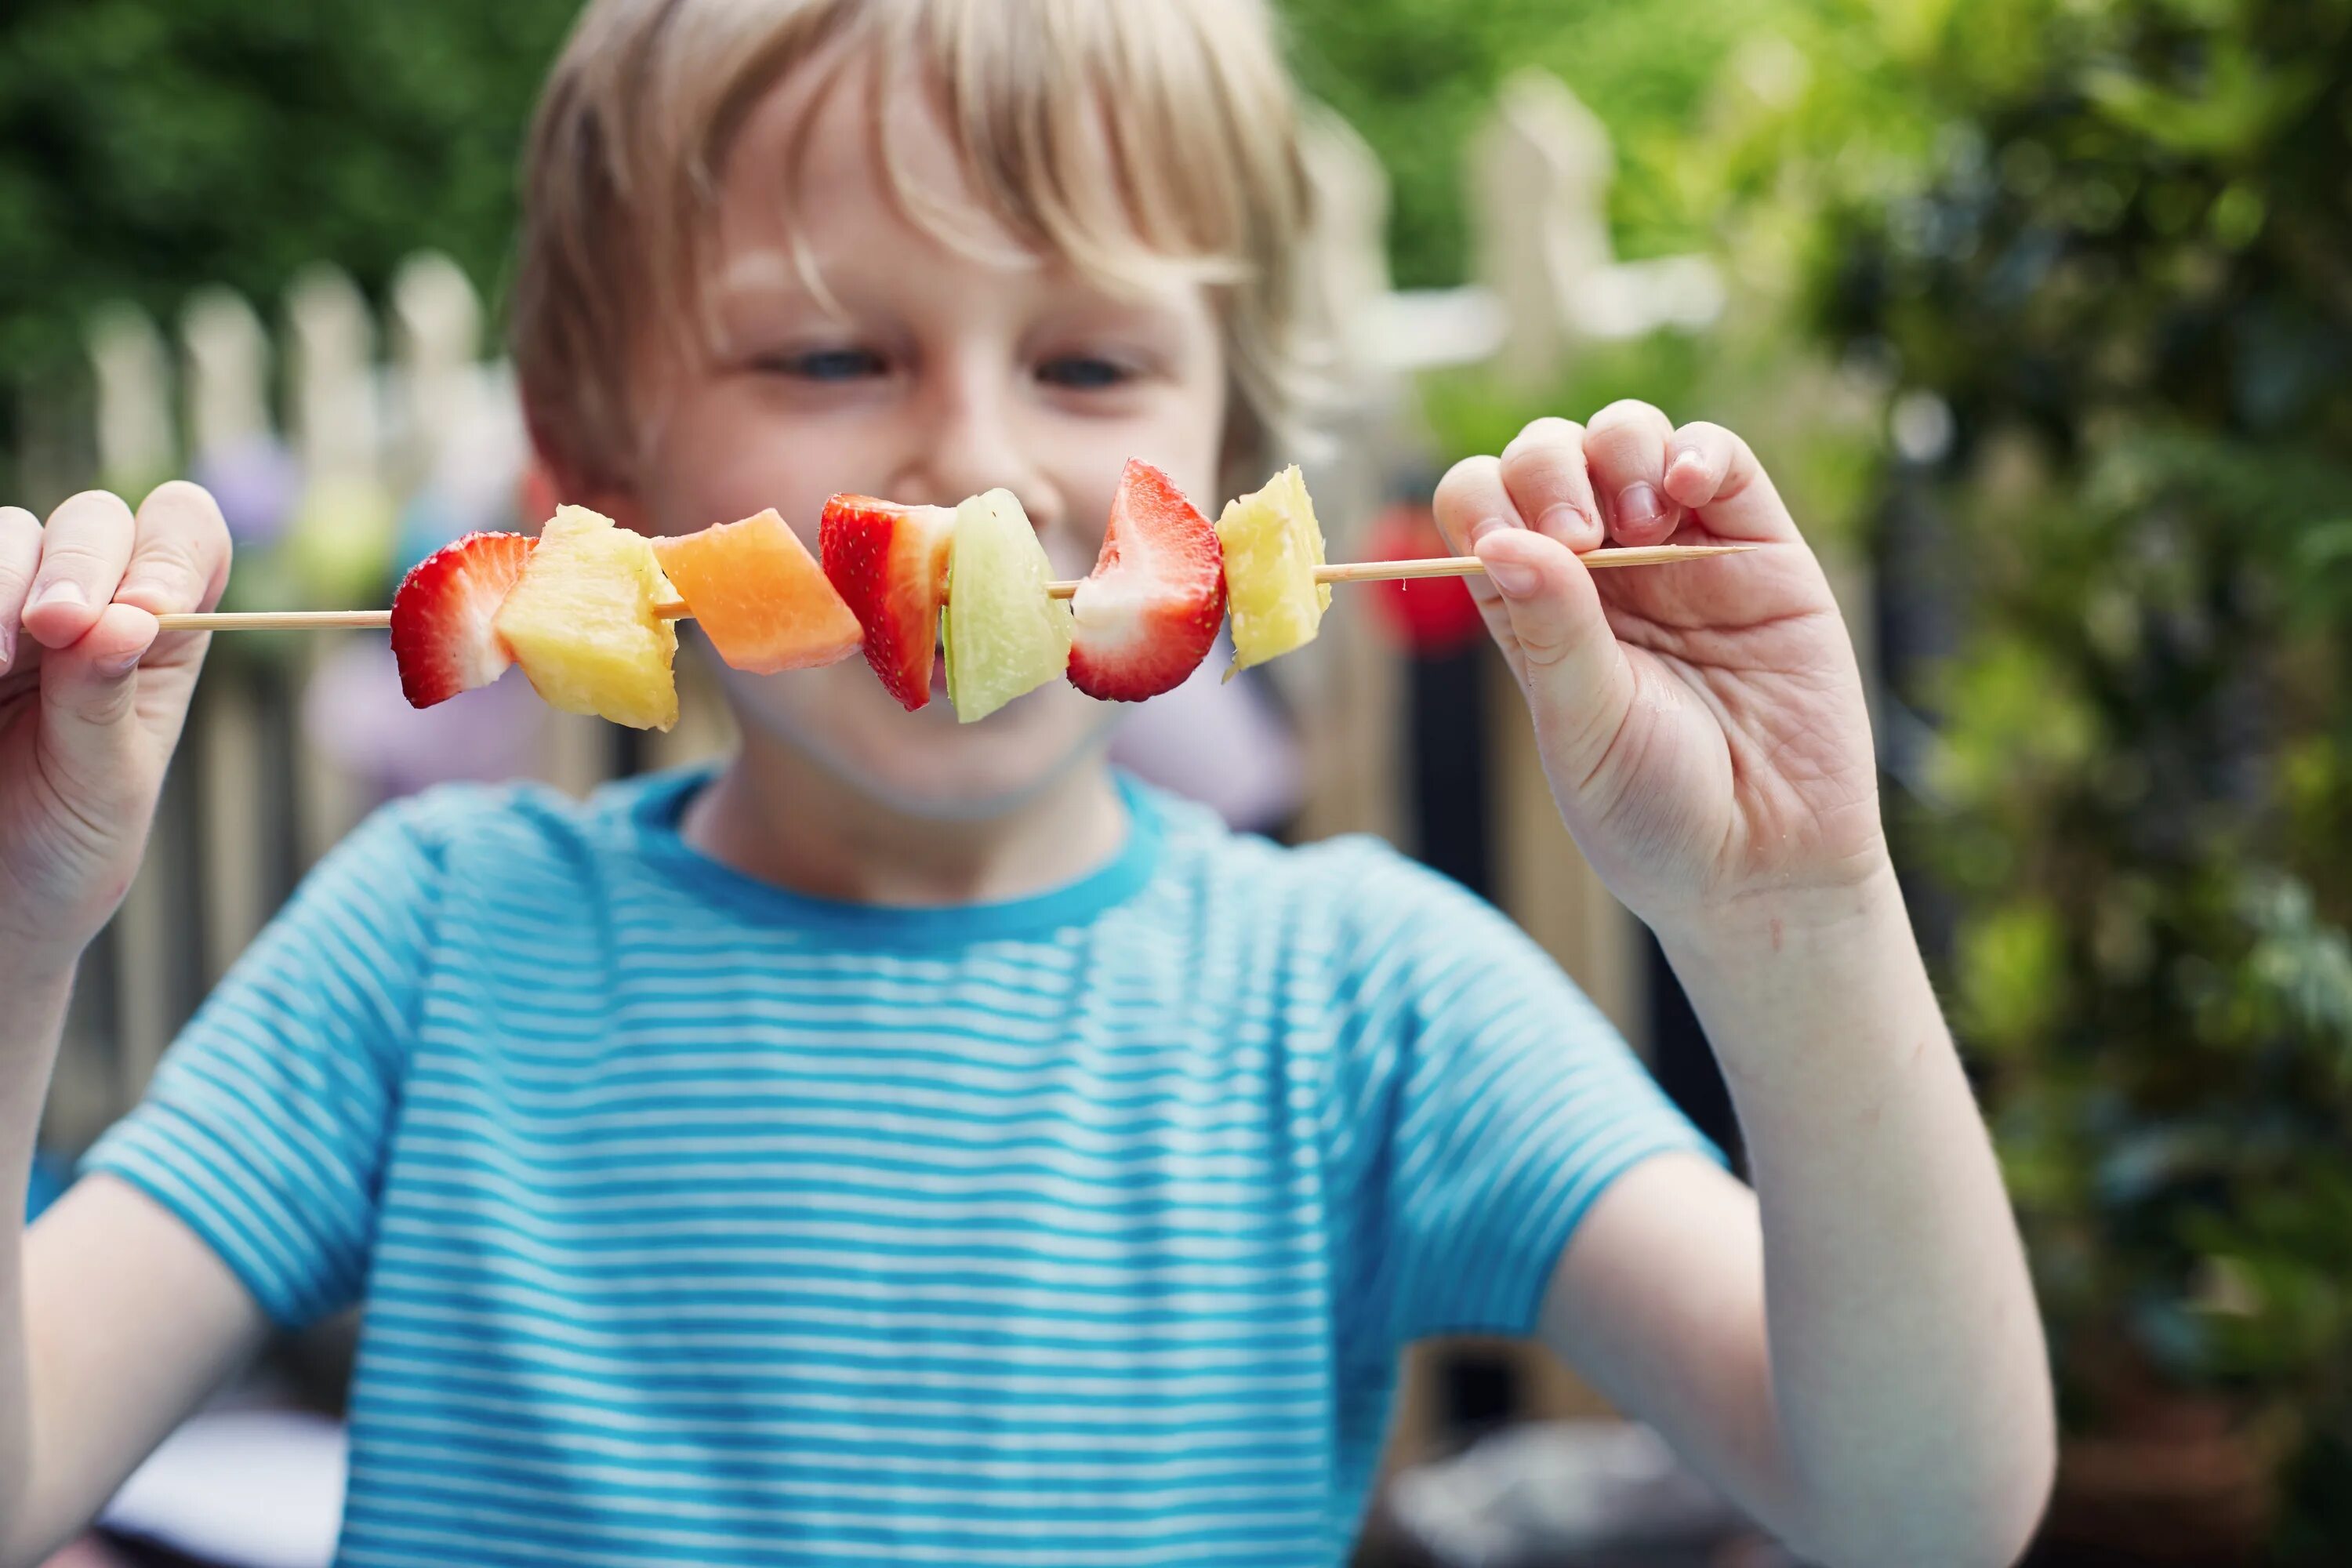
758	595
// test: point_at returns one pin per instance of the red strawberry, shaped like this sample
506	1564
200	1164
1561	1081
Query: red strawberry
441	617
1146	616
890	564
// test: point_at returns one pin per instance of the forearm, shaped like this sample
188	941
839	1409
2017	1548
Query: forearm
116	1320
32	1017
1907	1365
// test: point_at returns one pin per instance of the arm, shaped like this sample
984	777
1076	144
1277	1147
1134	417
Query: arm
1854	1351
115	1319
1884	1399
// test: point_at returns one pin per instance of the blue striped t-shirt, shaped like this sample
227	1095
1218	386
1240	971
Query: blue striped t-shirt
698	1221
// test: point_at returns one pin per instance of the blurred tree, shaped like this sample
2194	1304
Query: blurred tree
2109	290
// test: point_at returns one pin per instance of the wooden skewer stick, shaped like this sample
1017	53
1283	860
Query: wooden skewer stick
1470	566
275	620
674	610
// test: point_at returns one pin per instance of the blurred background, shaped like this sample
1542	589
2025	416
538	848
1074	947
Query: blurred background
2040	312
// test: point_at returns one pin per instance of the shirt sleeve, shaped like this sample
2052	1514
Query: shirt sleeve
1479	1104
264	1129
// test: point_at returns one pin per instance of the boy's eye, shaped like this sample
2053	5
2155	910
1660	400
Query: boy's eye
1084	373
826	364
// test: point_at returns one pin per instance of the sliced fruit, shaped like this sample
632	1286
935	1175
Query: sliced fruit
442	632
890	564
1272	547
758	595
581	623
1144	618
1006	635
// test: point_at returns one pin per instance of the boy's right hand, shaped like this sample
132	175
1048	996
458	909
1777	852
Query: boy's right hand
91	700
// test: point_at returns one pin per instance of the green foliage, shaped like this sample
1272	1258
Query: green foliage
1415	77
2120	260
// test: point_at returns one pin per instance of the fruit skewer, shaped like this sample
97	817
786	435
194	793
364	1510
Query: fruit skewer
589	609
676	610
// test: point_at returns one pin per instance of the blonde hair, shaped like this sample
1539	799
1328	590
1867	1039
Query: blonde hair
1190	95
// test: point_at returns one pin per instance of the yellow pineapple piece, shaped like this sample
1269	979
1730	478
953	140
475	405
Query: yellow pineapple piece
581	622
1271	547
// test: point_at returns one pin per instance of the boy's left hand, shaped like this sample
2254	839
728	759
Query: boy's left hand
1702	725
1864	1318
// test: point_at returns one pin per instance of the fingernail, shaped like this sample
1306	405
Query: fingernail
1564	521
1516	578
1482	528
122	664
59	593
8	644
1637	506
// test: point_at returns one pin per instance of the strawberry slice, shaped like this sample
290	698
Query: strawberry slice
441	617
889	562
1146	616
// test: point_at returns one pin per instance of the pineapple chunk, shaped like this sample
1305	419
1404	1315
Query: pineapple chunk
1271	547
581	623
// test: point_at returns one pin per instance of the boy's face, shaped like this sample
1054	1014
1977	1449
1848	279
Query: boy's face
939	376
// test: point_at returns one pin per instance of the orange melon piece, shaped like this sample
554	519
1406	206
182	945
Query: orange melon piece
758	595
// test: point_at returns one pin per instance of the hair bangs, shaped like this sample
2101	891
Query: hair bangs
1122	138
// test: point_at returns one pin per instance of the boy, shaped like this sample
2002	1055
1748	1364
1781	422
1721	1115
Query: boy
911	1141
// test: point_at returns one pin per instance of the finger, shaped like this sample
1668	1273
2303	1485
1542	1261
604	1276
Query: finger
20	557
180	559
1543	468
1472	502
1715	474
1626	449
1578	686
89	703
83	553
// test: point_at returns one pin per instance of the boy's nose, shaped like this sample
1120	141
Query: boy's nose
972	443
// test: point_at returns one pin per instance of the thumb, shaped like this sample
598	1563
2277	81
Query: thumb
1580	687
90	691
